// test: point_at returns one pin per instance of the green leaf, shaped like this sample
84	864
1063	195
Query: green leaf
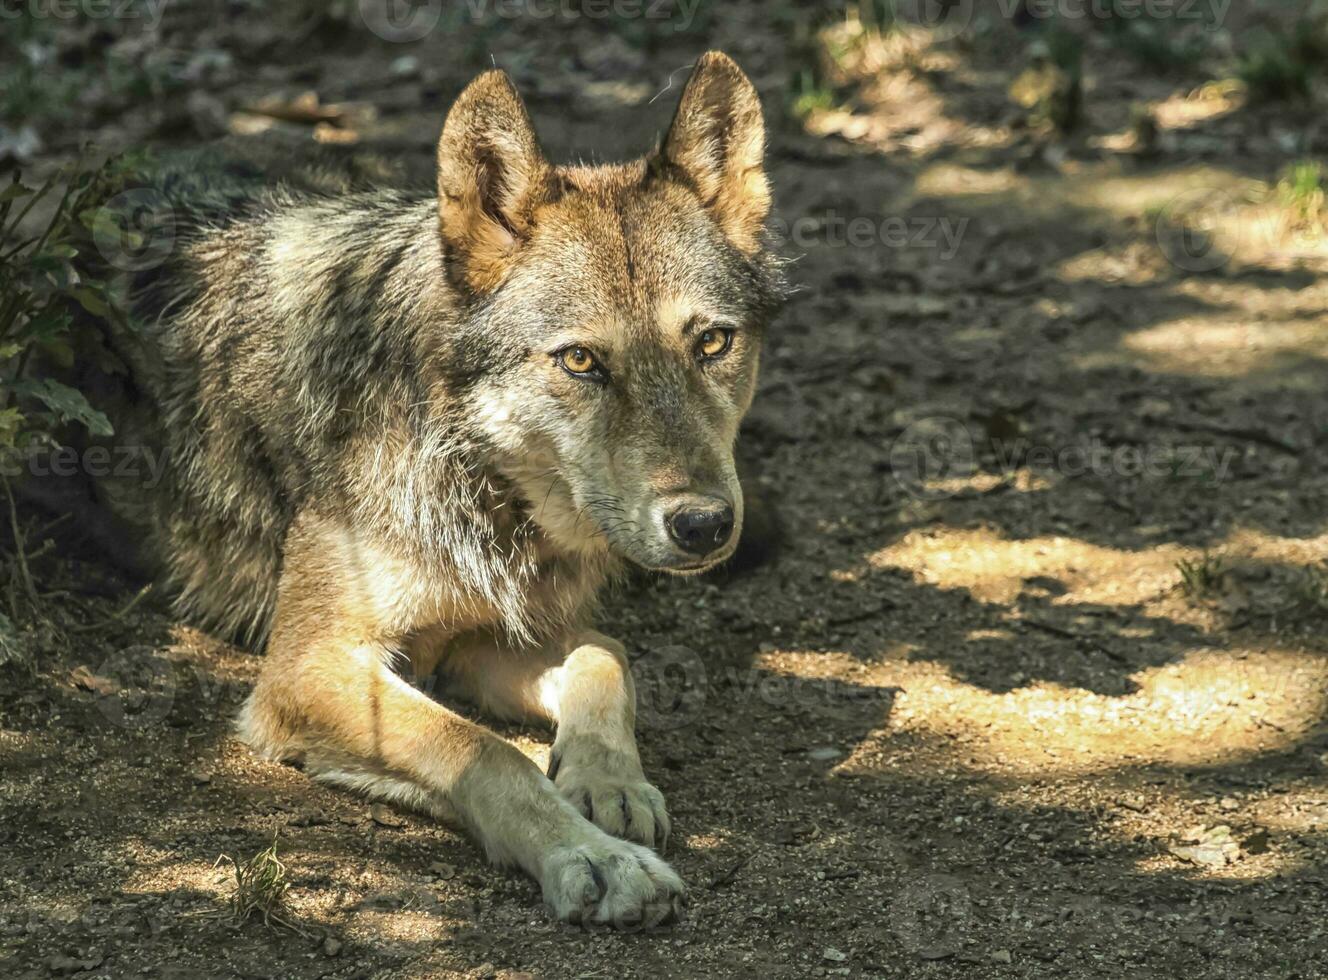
91	301
66	402
11	422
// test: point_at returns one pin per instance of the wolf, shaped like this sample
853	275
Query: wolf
412	434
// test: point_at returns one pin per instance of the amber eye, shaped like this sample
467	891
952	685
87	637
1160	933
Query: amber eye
714	342
578	360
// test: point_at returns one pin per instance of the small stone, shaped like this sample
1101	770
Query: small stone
834	955
485	971
385	817
88	681
442	869
931	953
332	946
824	753
1207	855
1229	803
1001	956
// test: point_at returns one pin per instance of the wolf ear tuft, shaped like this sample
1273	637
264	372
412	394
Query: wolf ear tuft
492	176
717	142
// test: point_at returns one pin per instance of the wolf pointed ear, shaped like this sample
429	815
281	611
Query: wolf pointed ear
717	142
492	176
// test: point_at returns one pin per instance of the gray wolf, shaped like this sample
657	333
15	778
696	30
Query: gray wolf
411	435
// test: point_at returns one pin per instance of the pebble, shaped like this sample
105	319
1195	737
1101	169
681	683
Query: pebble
385	817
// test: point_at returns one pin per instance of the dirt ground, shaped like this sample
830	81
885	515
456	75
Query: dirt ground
1036	683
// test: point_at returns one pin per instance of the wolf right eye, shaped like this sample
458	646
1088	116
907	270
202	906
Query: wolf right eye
580	362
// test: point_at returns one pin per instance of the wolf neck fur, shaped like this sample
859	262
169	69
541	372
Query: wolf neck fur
430	484
346	321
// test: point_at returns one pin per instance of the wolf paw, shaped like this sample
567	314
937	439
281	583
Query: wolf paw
605	881
611	792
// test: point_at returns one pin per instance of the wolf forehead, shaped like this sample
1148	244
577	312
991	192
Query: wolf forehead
543	246
627	255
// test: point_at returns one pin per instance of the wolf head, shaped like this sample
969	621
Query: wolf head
614	317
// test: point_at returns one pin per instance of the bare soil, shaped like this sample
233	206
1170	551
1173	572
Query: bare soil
968	720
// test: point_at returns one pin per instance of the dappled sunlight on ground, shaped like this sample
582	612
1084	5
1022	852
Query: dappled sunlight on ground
995	569
1204	710
1217	347
154	869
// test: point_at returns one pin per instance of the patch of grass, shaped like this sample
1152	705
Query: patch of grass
1202	577
810	94
1051	87
1301	191
260	889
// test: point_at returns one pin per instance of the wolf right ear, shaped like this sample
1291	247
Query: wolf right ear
491	177
717	143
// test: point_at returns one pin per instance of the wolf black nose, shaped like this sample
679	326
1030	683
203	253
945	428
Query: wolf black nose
701	530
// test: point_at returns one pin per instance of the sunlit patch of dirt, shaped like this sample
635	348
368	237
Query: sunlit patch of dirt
1184	109
1218	347
1207	709
155	869
996	570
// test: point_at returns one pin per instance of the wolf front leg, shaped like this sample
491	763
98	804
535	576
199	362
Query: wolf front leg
328	697
582	684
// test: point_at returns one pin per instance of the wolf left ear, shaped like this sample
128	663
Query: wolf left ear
492	176
717	142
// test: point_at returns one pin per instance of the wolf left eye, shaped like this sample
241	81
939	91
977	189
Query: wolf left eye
714	342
